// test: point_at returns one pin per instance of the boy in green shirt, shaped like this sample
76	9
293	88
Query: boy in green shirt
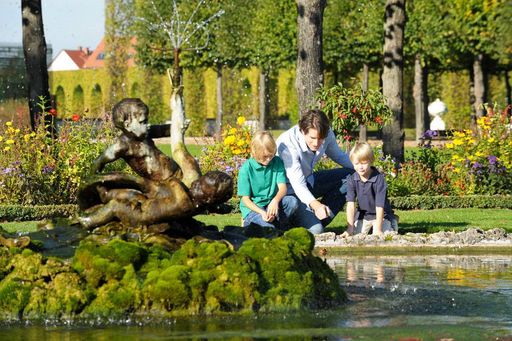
262	186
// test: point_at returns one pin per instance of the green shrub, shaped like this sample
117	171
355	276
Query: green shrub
37	212
429	202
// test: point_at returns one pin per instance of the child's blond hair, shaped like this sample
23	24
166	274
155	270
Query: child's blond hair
262	144
362	151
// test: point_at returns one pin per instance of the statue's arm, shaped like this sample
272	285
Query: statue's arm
111	154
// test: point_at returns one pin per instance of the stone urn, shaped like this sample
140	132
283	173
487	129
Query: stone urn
437	109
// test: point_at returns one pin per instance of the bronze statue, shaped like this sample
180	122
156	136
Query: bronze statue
159	194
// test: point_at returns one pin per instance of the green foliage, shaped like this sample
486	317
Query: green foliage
348	108
229	154
36	212
36	169
481	160
429	202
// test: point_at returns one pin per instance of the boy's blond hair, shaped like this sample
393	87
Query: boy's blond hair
362	151
262	144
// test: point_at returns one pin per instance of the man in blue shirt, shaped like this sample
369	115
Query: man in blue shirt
300	148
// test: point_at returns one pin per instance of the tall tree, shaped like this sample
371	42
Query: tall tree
273	38
474	24
424	35
309	51
392	77
353	40
34	49
118	23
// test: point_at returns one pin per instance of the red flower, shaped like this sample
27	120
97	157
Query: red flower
354	109
378	120
342	116
53	112
75	117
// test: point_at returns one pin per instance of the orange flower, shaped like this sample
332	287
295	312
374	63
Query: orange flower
53	112
75	117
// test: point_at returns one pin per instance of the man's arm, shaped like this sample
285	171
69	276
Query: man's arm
295	174
334	152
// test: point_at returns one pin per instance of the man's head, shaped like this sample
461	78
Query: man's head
212	188
131	116
314	125
263	147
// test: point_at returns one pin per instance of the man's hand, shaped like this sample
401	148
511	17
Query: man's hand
322	212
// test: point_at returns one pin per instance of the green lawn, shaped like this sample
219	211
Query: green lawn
410	221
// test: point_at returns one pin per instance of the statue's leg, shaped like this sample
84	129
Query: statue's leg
107	195
103	214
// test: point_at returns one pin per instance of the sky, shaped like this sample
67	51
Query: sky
68	24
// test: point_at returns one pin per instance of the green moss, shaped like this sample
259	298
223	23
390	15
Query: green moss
117	298
104	262
169	289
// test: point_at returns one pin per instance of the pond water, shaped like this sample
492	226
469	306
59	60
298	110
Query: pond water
390	298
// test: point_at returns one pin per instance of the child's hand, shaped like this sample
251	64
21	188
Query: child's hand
266	217
272	209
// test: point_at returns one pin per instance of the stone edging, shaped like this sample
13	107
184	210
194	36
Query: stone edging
496	237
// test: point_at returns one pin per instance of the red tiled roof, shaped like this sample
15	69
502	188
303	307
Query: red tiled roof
78	56
97	58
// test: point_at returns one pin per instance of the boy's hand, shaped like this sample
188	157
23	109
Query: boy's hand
272	209
267	217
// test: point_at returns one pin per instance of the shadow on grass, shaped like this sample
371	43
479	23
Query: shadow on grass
418	227
430	227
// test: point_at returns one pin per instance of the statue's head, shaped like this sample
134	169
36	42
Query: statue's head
212	188
131	116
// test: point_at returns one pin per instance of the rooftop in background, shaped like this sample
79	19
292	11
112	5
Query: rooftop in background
83	58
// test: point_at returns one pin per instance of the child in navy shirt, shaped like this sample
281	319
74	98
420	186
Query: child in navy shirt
368	185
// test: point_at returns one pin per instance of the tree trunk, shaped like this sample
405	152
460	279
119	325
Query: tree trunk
392	77
179	125
34	49
218	117
478	76
508	89
264	102
420	97
366	74
309	45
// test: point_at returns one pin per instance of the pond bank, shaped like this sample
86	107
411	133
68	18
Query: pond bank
471	240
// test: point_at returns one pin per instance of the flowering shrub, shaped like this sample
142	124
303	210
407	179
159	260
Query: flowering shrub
348	108
481	160
229	154
38	170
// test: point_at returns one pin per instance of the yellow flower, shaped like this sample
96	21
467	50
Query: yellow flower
456	170
237	151
26	137
9	142
240	143
229	140
491	140
6	149
9	123
240	120
449	145
32	134
232	131
459	134
16	131
458	142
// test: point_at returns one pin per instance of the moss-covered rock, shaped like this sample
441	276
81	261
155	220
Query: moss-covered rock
119	279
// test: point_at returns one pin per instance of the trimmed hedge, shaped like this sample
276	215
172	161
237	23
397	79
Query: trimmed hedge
27	213
428	202
413	202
